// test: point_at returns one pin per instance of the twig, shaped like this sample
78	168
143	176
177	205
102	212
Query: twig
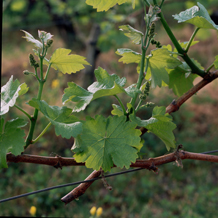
149	164
59	162
81	189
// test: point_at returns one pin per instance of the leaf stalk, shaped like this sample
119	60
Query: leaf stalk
19	108
191	39
180	50
42	133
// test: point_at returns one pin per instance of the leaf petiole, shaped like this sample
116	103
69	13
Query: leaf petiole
19	108
191	39
42	133
121	104
195	69
209	68
46	75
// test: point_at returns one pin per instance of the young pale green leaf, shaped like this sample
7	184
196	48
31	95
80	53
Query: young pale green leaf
105	142
198	16
216	62
179	82
31	39
62	61
44	36
129	56
104	5
159	124
106	85
9	94
132	33
65	123
117	110
11	139
159	60
132	90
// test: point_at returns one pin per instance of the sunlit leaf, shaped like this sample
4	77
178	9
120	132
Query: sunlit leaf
62	61
11	139
129	56
104	5
9	94
159	60
105	142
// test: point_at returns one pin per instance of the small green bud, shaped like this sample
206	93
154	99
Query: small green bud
26	72
150	104
158	45
153	42
151	31
33	61
142	97
49	42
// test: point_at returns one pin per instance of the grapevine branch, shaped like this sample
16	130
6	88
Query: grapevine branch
59	162
150	164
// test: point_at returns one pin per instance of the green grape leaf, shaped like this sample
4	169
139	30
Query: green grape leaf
62	61
159	60
117	110
31	39
198	16
65	123
132	33
132	90
216	62
105	142
129	56
106	85
104	5
9	94
11	139
159	124
181	79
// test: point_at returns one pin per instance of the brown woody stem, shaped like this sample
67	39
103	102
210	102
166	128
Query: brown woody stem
81	189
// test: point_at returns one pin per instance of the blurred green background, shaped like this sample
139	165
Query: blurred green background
173	192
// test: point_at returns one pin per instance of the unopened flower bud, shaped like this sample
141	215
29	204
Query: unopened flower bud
26	72
49	42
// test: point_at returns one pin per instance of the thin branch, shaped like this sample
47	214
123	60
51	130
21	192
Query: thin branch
81	189
150	164
59	162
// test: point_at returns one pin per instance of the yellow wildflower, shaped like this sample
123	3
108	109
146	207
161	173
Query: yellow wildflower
32	210
93	210
99	211
54	83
